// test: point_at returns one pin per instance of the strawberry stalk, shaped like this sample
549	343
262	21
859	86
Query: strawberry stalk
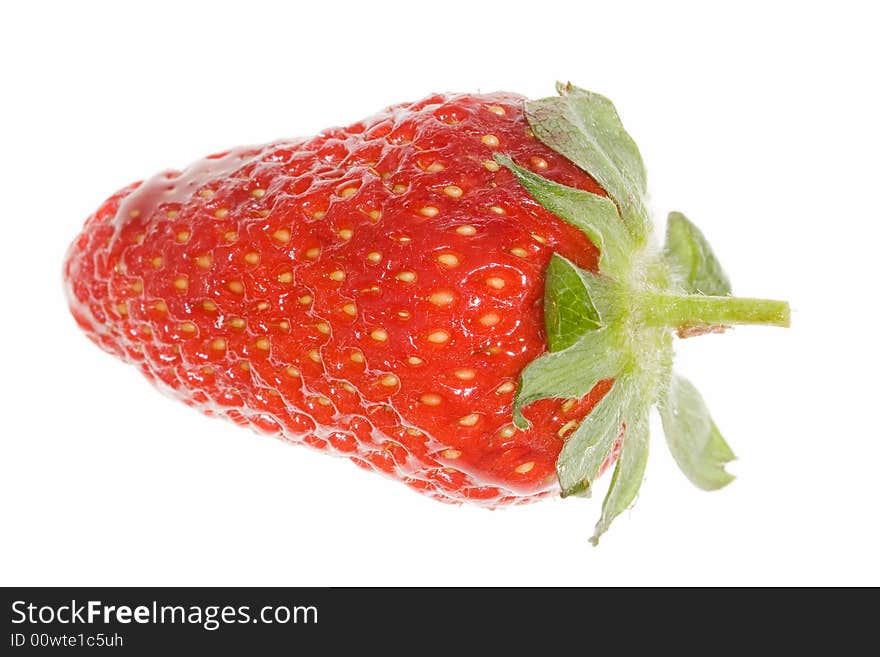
617	324
675	310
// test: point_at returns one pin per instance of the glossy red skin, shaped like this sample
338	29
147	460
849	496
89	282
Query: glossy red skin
124	274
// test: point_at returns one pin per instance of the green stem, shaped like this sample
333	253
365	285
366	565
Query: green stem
661	309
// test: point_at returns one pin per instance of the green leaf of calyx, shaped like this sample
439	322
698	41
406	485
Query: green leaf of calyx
569	311
570	373
584	127
596	216
694	440
585	450
693	263
628	474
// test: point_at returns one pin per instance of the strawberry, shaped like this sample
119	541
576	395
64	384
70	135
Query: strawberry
459	293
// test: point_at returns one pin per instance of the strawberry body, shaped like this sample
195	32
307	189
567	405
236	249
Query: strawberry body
374	291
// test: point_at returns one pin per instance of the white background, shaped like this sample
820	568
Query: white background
759	121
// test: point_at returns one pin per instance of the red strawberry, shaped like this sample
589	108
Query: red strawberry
378	290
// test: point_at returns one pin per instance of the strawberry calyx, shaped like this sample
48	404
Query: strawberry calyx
618	324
